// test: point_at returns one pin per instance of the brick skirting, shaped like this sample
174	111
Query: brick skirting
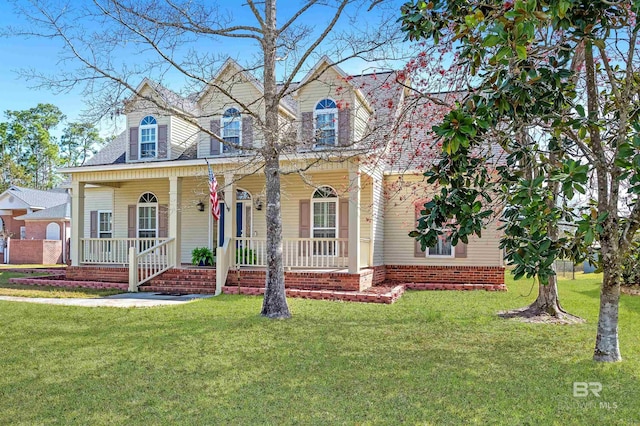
413	277
305	280
422	274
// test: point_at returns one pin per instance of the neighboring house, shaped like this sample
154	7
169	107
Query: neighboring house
37	224
143	200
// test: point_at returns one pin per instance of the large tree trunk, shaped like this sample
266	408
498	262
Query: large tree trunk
274	304
546	307
548	301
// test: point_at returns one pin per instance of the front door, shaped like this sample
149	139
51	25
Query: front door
243	220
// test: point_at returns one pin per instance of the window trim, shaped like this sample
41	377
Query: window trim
225	149
146	204
333	111
140	142
99	232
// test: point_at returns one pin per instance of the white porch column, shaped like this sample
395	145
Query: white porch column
230	207
175	215
77	221
354	218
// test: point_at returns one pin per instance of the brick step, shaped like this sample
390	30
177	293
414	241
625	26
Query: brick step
177	289
387	297
182	283
443	286
49	282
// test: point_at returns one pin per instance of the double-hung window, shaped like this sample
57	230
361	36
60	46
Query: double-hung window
105	229
148	137
231	126
326	123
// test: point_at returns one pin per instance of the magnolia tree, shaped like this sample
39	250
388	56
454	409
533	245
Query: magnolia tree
109	46
566	70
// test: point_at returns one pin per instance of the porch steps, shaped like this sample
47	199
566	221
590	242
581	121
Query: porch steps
183	280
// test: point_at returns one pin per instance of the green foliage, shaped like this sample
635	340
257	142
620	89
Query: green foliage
30	153
246	256
526	101
79	142
202	255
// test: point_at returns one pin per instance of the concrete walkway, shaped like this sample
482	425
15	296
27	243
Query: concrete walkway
125	300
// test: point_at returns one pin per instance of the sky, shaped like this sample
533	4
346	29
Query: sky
19	53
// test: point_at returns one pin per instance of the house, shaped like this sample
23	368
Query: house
141	205
35	225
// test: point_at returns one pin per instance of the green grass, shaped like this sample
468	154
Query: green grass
431	358
9	289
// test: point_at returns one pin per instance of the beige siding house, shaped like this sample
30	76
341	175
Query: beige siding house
141	205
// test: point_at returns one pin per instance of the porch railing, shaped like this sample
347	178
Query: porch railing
113	251
223	263
151	262
318	253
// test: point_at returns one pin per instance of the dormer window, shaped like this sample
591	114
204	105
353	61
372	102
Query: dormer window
148	137
325	118
231	129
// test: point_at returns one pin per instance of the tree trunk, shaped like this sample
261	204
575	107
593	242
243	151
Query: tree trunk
274	304
548	301
607	348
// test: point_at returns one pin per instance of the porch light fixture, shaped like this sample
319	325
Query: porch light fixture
259	203
200	206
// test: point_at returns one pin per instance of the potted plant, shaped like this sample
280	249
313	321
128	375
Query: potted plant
202	256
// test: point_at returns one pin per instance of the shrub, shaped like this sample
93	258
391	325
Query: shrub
246	256
202	256
631	265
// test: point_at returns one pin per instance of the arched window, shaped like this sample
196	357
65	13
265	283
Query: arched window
148	137
52	232
326	122
148	216
231	125
325	212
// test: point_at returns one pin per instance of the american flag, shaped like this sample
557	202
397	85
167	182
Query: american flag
213	194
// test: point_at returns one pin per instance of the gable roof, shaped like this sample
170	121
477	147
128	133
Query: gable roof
325	64
36	198
185	104
230	63
59	212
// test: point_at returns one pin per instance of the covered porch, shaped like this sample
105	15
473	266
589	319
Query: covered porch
150	226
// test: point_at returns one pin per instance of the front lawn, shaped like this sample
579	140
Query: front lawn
10	289
432	357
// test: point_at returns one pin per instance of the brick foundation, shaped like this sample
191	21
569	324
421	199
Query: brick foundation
413	277
305	280
452	275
